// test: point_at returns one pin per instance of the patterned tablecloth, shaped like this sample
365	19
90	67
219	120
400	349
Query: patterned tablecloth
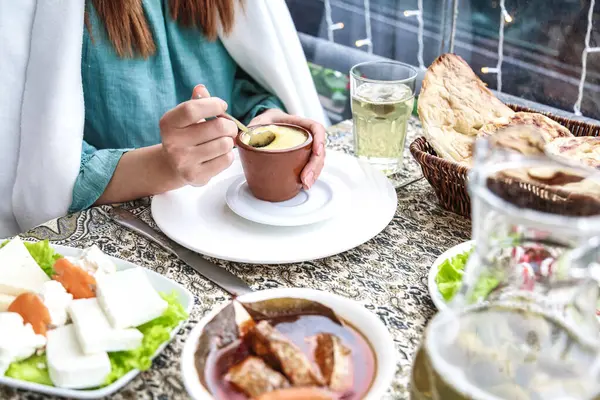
388	274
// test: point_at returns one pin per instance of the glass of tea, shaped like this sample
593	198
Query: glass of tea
523	325
383	94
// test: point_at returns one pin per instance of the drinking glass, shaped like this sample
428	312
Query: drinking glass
383	95
523	325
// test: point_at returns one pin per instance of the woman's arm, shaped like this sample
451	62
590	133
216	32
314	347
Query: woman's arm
192	151
116	175
140	173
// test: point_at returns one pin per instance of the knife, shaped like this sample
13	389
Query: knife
219	276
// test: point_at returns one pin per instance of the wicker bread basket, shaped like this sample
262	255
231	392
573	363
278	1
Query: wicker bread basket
449	179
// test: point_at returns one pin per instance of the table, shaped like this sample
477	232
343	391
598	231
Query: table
388	274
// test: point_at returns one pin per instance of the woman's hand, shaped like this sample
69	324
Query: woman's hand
311	172
197	149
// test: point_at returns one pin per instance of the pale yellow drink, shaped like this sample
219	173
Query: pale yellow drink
380	112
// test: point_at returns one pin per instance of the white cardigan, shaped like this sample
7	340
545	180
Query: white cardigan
41	100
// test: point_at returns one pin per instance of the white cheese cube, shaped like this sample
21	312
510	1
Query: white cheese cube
68	366
5	301
95	333
19	273
17	340
128	298
94	262
57	300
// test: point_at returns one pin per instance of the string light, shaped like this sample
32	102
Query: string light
419	14
443	24
501	46
368	40
489	70
411	13
454	21
363	42
331	27
588	49
504	18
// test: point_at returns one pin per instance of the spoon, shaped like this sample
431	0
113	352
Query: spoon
260	139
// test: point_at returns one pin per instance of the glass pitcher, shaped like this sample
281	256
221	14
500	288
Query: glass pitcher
523	325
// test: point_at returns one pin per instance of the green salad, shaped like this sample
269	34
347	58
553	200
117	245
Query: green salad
155	332
450	274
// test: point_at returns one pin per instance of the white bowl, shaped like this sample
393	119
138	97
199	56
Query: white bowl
365	322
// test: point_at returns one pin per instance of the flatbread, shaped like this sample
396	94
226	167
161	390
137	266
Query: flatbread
521	139
453	105
584	150
548	128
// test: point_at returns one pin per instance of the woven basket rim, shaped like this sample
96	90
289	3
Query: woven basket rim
441	172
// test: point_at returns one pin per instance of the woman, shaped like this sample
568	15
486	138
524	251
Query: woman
127	89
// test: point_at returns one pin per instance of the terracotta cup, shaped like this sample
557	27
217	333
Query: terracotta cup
274	175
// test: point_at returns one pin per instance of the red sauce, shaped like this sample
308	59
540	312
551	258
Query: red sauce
297	329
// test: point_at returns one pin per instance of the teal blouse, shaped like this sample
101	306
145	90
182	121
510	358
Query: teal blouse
125	98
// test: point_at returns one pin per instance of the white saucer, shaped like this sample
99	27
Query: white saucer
321	202
200	219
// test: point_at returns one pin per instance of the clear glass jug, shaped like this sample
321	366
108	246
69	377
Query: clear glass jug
523	325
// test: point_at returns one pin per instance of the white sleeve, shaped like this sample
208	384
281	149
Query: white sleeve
52	114
16	22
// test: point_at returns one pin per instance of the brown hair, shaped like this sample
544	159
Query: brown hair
130	35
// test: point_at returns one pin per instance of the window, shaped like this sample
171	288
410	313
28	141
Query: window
542	46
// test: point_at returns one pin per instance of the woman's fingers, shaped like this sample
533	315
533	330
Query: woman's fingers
205	171
199	92
213	149
195	148
200	133
191	112
313	169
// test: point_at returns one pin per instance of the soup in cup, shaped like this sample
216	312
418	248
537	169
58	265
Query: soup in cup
273	156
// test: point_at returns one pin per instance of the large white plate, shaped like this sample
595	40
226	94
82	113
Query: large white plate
160	283
199	218
436	296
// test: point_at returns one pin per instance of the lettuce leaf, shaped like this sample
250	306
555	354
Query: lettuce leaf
449	278
32	369
450	272
42	253
156	332
484	287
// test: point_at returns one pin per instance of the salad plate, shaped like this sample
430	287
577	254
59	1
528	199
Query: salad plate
160	284
199	218
449	255
454	259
